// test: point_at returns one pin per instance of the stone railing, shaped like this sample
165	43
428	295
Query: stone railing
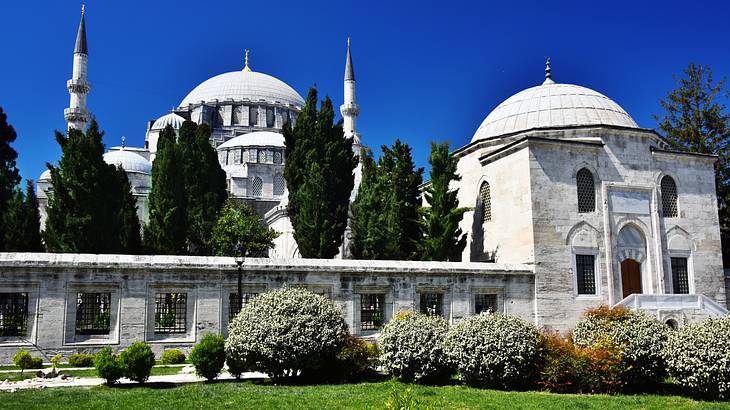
673	302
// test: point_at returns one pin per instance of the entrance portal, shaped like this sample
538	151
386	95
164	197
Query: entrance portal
630	277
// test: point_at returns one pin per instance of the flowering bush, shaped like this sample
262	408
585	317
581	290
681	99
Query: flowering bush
639	337
286	332
412	347
567	368
698	357
493	350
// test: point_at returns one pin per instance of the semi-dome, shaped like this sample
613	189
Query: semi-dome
45	175
244	85
129	161
169	119
552	105
254	139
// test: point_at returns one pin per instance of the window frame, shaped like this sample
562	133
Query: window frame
581	251
475	297
95	311
439	307
175	328
665	198
684	258
24	330
375	322
483	214
585	172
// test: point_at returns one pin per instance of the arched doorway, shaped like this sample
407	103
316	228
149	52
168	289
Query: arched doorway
630	277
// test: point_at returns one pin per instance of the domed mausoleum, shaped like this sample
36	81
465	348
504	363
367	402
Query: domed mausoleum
560	177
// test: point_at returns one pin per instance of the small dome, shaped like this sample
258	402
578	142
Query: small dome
45	176
129	161
169	119
244	86
552	105
255	139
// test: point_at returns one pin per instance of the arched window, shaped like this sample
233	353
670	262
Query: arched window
586	191
262	156
279	184
257	187
669	197
485	202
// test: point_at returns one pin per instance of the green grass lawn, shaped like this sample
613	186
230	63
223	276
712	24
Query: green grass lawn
90	372
260	396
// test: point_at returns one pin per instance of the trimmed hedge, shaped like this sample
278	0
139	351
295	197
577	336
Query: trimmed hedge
494	350
137	361
286	332
412	347
209	356
639	337
172	356
698	357
81	360
108	366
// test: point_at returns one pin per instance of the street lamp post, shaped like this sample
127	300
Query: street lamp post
240	255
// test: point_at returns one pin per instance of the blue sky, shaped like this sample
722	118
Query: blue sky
426	70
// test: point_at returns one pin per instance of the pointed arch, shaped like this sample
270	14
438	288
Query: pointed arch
484	201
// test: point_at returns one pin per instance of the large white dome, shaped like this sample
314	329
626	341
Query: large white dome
255	139
244	86
129	161
552	105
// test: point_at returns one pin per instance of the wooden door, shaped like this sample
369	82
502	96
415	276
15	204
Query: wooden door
630	277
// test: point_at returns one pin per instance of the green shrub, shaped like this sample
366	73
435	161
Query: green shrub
172	356
493	350
402	398
81	360
137	361
355	359
567	368
24	360
208	356
236	367
698	357
286	332
56	360
108	365
640	339
412	347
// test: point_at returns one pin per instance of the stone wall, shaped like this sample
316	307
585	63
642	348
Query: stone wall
52	283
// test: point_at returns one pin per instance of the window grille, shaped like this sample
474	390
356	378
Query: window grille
257	187
586	191
244	156
371	311
586	274
432	303
485	202
680	277
93	313
13	314
233	307
262	156
279	184
669	197
269	156
277	157
171	312
222	157
485	302
237	157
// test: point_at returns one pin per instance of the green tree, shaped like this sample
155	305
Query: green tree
319	176
695	120
385	221
238	224
205	185
167	228
9	175
22	220
443	239
84	210
130	238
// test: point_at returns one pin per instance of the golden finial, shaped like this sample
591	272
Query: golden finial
82	9
246	68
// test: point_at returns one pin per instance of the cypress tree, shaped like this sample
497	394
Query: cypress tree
319	175
9	175
83	212
385	213
23	222
167	228
129	234
443	239
205	185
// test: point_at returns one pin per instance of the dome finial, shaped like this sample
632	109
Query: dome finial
124	140
82	9
246	68
548	74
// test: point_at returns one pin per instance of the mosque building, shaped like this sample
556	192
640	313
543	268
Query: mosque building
572	205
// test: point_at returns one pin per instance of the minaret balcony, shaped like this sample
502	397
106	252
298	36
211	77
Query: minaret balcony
78	86
350	109
76	114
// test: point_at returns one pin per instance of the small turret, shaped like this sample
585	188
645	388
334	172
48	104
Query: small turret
349	109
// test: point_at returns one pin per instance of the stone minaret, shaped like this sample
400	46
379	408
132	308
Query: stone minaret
76	114
349	109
